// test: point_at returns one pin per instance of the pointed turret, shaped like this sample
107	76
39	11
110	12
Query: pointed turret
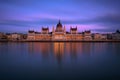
59	27
53	29
64	29
59	24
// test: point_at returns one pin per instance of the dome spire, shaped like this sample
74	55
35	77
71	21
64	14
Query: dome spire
59	24
59	21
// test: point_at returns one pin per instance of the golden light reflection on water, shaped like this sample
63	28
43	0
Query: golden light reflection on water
40	48
51	58
60	50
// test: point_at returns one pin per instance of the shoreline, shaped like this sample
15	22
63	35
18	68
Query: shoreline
62	41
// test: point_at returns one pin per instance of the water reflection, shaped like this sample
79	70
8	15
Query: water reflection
116	47
69	59
60	50
71	50
43	49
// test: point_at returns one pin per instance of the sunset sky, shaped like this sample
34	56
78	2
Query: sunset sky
24	15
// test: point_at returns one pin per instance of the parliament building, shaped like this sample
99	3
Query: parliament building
58	34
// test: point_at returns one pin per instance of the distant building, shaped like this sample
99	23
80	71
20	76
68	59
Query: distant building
74	35
41	36
45	30
1	35
44	35
59	34
16	36
31	35
116	35
104	36
24	36
109	36
87	35
98	36
73	30
9	37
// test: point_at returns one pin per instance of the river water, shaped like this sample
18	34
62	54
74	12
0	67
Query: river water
59	61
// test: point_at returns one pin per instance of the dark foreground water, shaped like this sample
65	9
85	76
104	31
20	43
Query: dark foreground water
59	61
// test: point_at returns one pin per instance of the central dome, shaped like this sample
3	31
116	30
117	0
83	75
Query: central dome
59	24
59	27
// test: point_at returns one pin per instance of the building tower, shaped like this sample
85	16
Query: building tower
73	30
59	27
53	30
59	32
64	30
45	30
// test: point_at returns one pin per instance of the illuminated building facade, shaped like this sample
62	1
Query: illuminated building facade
59	34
